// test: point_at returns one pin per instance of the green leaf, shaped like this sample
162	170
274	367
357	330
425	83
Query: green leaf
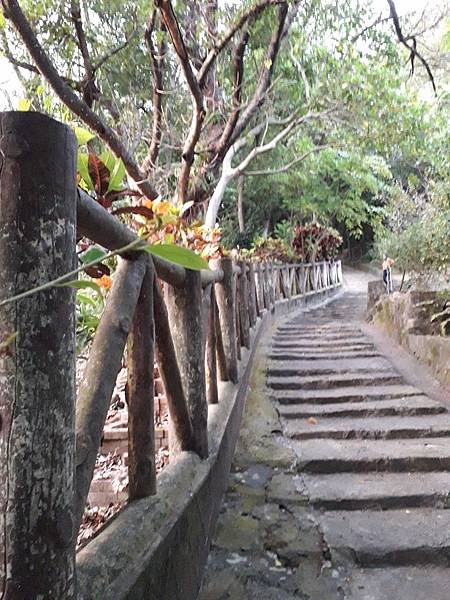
83	170
24	104
108	159
2	20
83	135
91	255
178	255
81	284
117	175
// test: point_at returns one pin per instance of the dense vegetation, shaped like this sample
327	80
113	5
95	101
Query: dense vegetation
260	116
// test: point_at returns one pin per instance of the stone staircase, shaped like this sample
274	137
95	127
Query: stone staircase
373	453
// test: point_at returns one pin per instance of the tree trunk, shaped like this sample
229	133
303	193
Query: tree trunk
37	368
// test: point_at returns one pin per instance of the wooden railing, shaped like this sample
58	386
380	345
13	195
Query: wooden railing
201	319
192	323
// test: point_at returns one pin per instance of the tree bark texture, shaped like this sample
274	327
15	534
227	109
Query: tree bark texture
251	293
180	435
242	302
226	294
105	360
211	362
140	396
186	323
37	368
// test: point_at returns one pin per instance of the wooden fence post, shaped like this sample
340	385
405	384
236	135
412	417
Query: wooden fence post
259	287
252	293
225	294
180	434
185	307
242	304
212	393
37	364
140	395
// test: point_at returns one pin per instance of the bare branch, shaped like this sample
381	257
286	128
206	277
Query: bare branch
412	47
113	52
266	75
70	99
90	90
380	19
247	15
198	112
289	165
157	56
238	69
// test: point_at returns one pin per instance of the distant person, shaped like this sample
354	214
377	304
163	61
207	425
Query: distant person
388	263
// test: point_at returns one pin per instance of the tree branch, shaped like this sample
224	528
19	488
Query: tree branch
266	75
289	166
238	70
113	52
90	90
157	56
250	13
413	52
69	98
198	112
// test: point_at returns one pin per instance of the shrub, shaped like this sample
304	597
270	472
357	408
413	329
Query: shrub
314	242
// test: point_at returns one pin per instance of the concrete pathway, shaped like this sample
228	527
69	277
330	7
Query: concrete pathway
341	479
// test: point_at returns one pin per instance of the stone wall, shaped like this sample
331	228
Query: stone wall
407	319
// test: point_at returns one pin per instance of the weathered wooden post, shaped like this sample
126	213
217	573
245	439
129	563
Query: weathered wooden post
271	280
37	358
265	276
242	304
185	307
140	395
252	293
225	295
212	393
259	288
181	433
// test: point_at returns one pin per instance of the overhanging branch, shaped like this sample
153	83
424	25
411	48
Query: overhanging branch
411	44
13	12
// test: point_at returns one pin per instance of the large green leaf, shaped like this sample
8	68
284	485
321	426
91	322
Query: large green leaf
83	135
83	170
117	175
92	255
108	159
178	255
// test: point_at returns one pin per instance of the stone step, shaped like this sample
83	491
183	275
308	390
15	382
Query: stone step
313	339
370	428
412	405
378	491
401	583
286	355
302	327
389	538
345	394
328	366
357	456
321	346
322	382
